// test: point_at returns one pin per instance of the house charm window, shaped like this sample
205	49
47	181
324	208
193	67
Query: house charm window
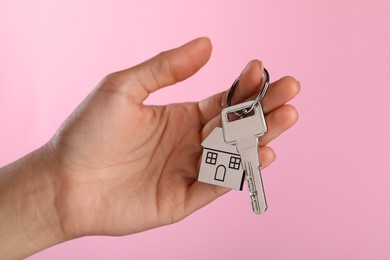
234	163
211	158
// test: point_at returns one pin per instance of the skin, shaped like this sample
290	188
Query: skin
117	166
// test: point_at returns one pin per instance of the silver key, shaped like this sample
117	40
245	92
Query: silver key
244	133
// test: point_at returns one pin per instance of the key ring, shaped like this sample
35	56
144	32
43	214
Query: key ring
257	100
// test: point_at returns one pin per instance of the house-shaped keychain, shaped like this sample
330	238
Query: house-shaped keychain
221	163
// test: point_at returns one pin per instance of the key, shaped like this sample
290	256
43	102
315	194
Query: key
244	133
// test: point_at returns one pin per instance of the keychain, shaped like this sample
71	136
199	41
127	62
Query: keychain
236	144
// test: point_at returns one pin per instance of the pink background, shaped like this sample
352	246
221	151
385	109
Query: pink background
328	191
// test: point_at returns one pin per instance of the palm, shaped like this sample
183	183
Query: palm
140	153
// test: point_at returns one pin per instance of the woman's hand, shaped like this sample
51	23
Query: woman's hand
117	166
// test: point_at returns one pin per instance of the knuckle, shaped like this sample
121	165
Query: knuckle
165	66
112	82
111	77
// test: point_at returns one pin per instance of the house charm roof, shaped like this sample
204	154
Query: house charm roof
215	141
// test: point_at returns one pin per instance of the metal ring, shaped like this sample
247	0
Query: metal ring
257	100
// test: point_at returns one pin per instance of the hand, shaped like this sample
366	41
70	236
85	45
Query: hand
123	167
117	166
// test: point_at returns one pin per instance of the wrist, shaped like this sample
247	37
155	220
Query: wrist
28	213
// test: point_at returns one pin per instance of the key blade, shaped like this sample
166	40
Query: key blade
251	165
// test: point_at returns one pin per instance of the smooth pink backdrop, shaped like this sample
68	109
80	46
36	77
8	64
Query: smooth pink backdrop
328	191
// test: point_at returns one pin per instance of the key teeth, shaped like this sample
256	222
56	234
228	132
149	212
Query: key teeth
257	207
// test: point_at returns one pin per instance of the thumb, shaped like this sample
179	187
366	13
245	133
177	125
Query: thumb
167	68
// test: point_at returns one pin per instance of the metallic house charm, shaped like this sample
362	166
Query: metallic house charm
221	163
